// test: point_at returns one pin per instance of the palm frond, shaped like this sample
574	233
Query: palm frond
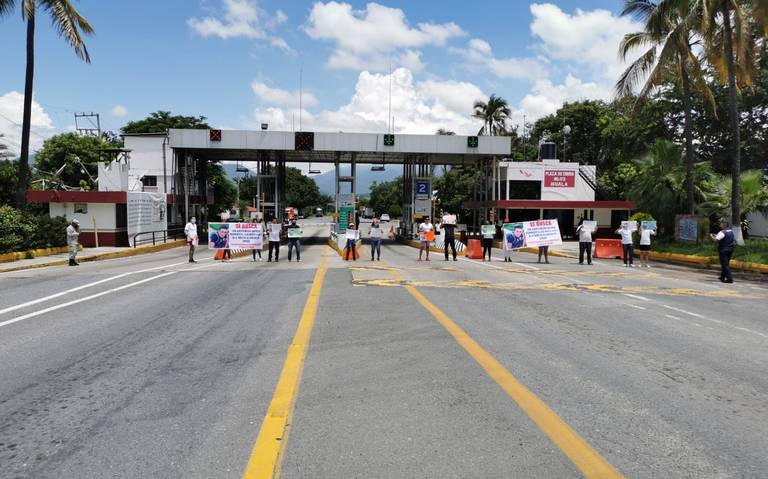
6	6
70	25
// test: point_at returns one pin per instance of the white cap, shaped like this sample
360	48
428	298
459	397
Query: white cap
76	222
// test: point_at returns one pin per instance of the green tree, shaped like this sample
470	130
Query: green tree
70	25
454	187
659	187
4	152
160	121
753	195
494	114
15	229
65	150
670	39
224	191
387	197
584	141
301	191
9	181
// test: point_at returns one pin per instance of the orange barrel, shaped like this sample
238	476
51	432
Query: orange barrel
474	249
608	248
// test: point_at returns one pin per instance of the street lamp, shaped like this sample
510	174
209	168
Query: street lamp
566	132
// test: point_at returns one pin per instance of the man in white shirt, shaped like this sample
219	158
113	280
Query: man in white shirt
627	244
73	233
190	231
275	229
585	242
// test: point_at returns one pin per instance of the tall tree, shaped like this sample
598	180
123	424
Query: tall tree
494	114
160	121
670	37
70	25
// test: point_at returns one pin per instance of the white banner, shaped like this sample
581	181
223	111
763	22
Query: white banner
532	234
146	212
235	236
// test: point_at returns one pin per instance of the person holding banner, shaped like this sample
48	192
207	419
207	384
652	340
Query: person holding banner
275	229
352	235
259	238
646	232
627	243
426	236
448	225
376	234
294	239
585	240
544	250
488	231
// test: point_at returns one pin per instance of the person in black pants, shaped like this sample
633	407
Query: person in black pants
450	238
726	242
275	229
585	243
294	242
487	241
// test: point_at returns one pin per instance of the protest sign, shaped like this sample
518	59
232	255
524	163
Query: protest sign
589	225
648	225
449	219
632	225
294	233
235	236
531	234
488	229
351	234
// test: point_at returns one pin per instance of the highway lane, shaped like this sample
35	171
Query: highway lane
660	371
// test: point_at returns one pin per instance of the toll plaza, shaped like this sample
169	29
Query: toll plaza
271	151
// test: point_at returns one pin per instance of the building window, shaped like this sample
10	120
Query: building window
81	208
524	190
149	181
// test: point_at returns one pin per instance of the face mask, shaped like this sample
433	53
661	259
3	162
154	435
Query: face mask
194	221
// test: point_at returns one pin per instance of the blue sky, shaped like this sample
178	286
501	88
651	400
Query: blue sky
238	61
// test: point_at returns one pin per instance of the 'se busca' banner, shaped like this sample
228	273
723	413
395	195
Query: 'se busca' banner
235	236
532	234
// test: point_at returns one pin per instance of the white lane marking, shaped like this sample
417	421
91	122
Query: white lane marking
673	317
97	295
88	285
636	306
758	287
717	321
528	266
695	315
643	298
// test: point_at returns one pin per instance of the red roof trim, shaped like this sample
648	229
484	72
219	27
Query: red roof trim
58	196
616	205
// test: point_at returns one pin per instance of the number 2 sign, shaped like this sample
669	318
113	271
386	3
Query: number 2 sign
422	188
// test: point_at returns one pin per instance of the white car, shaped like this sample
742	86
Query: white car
384	217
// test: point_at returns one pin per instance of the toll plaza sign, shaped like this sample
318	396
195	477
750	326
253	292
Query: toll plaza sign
560	178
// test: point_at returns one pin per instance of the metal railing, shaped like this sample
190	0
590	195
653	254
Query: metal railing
159	236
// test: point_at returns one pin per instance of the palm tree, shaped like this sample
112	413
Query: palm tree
494	114
71	26
753	194
670	40
4	153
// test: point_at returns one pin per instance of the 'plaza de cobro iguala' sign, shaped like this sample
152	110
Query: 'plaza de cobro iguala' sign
235	235
531	234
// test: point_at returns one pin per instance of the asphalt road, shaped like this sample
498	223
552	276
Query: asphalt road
153	367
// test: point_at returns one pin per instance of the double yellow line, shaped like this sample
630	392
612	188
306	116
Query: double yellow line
267	453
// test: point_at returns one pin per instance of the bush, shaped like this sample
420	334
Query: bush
16	229
49	232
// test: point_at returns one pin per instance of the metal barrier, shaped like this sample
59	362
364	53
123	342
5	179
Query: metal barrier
160	235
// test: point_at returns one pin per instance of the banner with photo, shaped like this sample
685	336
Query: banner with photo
531	234
235	236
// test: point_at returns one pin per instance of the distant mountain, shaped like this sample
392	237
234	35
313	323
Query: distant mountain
230	169
365	178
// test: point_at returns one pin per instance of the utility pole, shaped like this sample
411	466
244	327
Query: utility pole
86	125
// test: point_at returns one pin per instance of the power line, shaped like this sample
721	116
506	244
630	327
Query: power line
21	126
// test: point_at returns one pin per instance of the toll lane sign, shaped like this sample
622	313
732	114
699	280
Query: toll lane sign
422	189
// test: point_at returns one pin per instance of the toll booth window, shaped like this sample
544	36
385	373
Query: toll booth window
149	181
81	208
525	190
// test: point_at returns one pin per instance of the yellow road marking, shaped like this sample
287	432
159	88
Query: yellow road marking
584	457
267	453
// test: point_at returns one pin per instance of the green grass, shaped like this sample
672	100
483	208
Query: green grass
755	251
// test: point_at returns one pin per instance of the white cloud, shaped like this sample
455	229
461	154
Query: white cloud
368	39
119	111
585	38
11	112
545	97
242	19
278	96
480	54
418	107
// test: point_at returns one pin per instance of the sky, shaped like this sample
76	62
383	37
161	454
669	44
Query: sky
241	63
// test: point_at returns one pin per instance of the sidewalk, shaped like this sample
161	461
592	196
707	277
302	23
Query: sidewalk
87	254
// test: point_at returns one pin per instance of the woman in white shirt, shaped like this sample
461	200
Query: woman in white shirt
426	230
645	246
627	244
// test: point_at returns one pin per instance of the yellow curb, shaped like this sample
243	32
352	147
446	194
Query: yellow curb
97	257
753	267
680	258
34	253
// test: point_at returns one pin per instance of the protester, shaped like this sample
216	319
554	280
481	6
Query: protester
627	244
726	242
352	242
487	241
426	236
260	244
190	231
275	229
645	246
449	239
544	250
376	234
585	243
294	242
73	233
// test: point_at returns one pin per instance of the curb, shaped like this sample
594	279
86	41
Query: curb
35	253
97	257
706	262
